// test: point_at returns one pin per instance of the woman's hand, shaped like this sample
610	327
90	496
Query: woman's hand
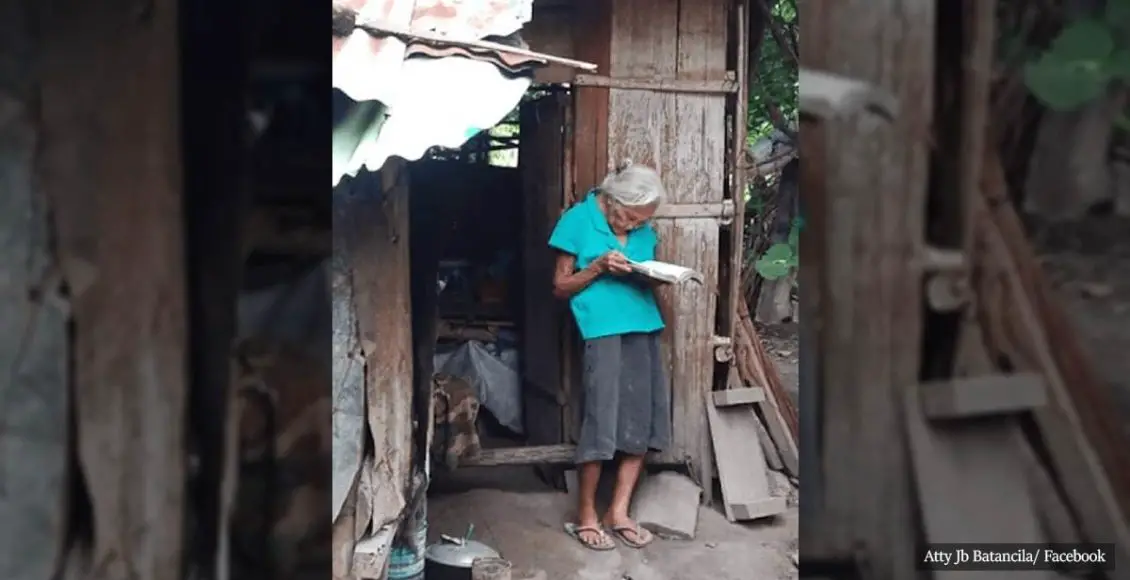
614	263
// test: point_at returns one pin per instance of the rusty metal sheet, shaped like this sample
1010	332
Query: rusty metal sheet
367	67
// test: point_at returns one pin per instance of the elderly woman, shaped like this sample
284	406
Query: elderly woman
626	403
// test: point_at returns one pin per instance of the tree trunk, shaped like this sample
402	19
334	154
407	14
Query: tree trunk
1069	172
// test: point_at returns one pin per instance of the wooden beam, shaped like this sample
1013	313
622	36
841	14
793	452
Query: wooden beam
723	210
746	67
720	86
531	455
858	239
982	396
378	27
742	396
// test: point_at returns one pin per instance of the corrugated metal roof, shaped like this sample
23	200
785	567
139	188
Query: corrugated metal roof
412	95
367	67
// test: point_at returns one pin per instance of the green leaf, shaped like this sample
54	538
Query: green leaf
1123	122
1117	14
1118	65
771	270
1065	85
1085	39
778	253
794	236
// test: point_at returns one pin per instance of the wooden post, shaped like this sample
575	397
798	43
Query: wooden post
372	344
859	240
111	170
490	569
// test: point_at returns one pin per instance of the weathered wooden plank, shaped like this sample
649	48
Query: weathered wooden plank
740	396
562	454
689	310
719	210
542	154
741	466
865	284
776	411
34	347
592	35
1084	452
972	477
117	202
683	137
735	261
371	216
981	396
972	481
715	86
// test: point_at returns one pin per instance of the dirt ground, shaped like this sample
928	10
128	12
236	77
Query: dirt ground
521	518
1089	264
513	511
781	342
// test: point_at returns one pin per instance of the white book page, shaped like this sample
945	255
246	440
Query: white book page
666	272
665	269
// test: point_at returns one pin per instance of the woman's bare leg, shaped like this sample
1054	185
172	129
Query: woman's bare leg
626	477
588	478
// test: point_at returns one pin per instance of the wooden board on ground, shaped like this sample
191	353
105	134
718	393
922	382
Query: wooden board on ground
971	476
738	396
972	482
754	367
741	466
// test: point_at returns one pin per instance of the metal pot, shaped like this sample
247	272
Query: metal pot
451	558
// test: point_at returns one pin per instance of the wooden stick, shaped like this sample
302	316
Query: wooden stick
720	86
737	154
382	28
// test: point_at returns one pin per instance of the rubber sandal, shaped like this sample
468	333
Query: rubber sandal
602	544
640	536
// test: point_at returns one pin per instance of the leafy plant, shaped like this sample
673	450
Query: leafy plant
1084	60
773	100
776	85
780	259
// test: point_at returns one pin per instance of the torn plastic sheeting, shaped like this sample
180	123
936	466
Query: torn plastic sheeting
297	311
496	379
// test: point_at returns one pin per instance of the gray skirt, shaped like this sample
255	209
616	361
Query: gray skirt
627	401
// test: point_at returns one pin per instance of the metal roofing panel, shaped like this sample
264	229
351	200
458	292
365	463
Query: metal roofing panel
368	67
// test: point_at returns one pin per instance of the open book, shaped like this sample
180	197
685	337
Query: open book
664	272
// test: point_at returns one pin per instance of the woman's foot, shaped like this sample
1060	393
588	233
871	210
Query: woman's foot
629	531
591	536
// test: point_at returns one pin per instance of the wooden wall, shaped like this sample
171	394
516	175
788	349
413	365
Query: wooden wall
100	246
372	349
682	135
862	282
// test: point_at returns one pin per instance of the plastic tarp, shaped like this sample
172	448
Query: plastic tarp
493	372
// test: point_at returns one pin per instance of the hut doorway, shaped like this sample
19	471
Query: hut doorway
485	318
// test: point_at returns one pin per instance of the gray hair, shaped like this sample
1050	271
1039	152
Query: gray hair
633	185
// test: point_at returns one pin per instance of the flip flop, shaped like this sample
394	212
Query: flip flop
640	537
602	544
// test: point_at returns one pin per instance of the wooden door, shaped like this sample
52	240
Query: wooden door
542	156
